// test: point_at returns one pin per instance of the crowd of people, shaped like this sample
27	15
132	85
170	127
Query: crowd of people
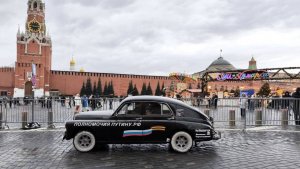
288	101
86	103
81	103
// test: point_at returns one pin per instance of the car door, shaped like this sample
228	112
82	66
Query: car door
157	121
126	124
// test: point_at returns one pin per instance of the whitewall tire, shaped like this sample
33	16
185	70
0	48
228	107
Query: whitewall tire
181	142
84	141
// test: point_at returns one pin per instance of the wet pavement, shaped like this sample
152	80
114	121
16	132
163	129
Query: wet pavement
236	149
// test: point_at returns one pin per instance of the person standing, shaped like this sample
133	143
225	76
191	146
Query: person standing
215	100
10	102
296	106
286	100
110	103
67	101
70	102
77	101
85	103
93	102
49	102
243	104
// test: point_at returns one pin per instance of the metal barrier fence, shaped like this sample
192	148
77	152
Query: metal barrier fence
226	112
47	112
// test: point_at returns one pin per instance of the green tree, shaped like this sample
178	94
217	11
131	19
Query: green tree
264	90
111	89
105	91
82	91
144	89
95	89
130	88
163	90
99	88
149	89
88	87
157	90
135	91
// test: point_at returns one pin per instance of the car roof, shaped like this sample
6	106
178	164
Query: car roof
155	98
161	99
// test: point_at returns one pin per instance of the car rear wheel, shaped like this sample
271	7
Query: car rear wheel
84	141
181	142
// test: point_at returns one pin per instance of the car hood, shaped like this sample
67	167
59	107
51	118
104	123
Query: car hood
94	115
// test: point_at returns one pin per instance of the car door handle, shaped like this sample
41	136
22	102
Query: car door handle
171	118
138	118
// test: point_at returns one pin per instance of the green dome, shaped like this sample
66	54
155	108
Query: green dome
220	64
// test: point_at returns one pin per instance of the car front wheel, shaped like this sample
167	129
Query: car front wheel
84	141
181	142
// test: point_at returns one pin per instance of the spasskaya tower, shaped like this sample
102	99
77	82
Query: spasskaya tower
34	46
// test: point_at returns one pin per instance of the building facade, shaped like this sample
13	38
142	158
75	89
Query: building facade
33	47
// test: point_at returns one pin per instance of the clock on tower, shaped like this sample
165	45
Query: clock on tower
34	26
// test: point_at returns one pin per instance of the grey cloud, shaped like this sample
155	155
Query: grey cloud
98	3
132	36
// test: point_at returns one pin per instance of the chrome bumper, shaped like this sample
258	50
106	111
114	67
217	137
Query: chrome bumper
216	135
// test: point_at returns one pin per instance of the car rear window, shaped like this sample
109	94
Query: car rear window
186	112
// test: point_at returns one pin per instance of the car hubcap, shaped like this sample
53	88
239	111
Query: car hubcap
84	141
181	142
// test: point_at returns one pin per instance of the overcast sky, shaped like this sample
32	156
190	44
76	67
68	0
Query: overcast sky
157	37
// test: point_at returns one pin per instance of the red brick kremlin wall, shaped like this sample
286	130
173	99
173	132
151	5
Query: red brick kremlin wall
7	79
70	82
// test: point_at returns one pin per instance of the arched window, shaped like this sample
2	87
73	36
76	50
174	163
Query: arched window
35	5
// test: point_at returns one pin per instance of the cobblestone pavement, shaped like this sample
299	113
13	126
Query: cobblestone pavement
236	149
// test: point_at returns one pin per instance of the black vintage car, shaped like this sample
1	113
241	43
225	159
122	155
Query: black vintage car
142	119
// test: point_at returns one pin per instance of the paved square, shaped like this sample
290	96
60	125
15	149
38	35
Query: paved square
237	149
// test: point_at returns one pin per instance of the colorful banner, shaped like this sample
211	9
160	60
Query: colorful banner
243	76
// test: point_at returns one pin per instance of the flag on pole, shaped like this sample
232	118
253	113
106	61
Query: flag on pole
33	79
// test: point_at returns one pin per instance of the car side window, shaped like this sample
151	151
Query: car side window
185	112
166	110
152	109
133	108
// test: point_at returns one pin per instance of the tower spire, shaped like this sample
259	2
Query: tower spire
18	30
252	64
220	53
